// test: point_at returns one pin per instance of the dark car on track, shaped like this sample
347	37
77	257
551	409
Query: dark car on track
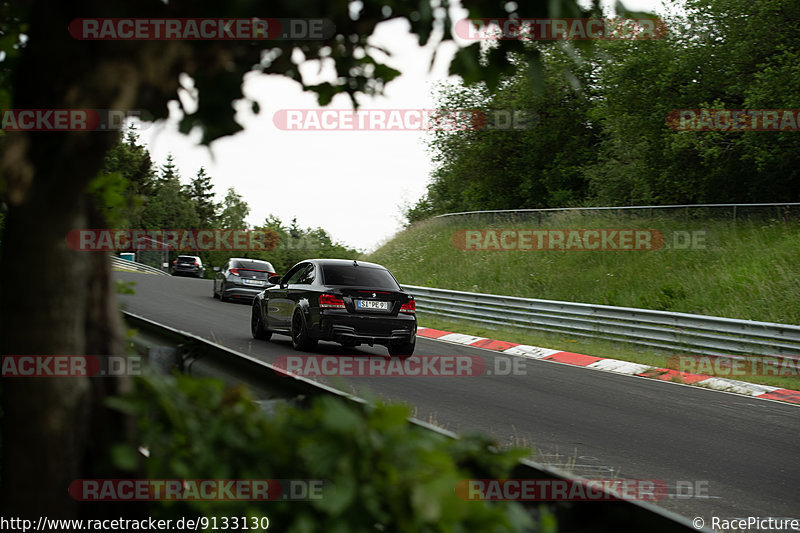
188	265
345	301
242	279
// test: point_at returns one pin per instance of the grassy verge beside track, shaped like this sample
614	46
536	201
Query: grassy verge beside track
745	269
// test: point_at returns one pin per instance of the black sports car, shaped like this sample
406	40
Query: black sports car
345	301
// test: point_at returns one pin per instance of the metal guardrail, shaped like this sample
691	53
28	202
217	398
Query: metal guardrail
700	334
191	354
649	208
118	262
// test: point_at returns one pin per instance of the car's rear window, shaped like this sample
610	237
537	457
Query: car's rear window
186	259
358	276
253	266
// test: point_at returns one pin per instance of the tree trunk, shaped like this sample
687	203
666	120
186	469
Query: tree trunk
55	300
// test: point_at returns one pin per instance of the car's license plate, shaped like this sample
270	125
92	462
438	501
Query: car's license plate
253	282
372	304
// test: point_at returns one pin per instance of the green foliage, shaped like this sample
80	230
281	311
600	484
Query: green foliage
602	137
122	198
296	243
109	192
200	192
12	24
382	473
124	287
169	206
535	160
234	211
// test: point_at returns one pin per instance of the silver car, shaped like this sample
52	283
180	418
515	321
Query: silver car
242	279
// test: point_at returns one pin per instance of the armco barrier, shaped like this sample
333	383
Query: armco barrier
700	334
118	262
686	209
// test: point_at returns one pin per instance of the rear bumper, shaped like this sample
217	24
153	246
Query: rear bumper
340	326
239	292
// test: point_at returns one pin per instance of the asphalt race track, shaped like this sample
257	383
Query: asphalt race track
742	452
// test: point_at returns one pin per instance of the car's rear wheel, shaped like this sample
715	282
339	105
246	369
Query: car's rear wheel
300	338
214	291
257	325
403	349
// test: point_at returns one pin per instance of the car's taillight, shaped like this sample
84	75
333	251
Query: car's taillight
196	263
330	301
235	271
175	261
409	307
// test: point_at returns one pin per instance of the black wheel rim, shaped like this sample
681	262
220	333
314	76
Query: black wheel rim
254	322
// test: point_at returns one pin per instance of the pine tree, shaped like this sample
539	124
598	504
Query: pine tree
200	192
234	211
169	171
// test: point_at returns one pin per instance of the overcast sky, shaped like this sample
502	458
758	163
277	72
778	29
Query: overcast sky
353	184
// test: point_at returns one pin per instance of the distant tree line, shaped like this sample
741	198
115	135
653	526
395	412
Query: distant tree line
599	134
134	193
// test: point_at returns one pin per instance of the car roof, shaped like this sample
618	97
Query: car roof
343	262
249	259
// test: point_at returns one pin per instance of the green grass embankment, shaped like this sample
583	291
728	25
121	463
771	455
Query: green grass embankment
746	269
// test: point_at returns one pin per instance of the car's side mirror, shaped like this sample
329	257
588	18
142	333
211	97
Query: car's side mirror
275	280
216	269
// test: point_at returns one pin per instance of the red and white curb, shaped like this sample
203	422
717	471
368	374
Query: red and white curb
614	365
